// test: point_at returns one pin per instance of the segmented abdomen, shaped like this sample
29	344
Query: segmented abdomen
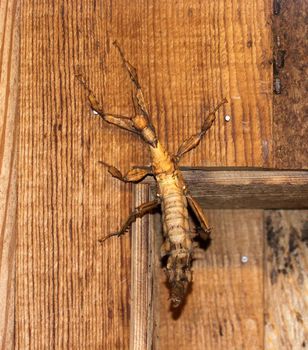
174	210
178	243
175	217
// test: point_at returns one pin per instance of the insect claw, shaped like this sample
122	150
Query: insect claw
102	240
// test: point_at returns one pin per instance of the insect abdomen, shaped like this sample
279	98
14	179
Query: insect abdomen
175	217
178	243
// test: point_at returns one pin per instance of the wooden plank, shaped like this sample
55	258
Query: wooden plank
290	120
209	50
286	282
189	56
145	249
9	65
225	307
70	291
143	257
226	188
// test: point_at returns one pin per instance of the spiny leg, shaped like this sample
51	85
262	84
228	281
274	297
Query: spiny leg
194	140
133	175
140	124
139	212
197	210
141	120
118	120
139	98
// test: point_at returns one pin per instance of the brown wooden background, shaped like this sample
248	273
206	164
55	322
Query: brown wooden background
68	291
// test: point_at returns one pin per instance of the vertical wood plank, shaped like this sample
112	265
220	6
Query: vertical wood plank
188	57
72	292
225	307
286	282
146	242
9	66
290	120
141	327
191	55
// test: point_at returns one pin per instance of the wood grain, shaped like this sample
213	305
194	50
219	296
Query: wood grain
290	108
71	292
142	307
235	188
286	282
225	307
9	65
190	56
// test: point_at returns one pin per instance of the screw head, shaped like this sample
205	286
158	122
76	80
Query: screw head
244	259
227	118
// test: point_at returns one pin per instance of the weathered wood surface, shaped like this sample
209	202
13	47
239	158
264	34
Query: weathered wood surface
9	60
226	188
71	292
144	256
225	307
290	122
286	282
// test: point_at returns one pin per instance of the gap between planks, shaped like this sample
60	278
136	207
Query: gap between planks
9	76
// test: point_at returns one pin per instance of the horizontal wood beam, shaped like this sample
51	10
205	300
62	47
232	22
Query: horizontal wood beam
265	189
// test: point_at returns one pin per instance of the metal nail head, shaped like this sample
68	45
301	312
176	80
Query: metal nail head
244	259
227	118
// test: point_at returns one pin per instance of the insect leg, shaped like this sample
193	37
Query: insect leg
133	175
118	120
197	210
194	140
138	98
139	212
141	119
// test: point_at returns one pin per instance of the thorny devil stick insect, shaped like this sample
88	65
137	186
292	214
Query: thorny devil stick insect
172	193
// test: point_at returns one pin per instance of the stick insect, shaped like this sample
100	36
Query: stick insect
172	193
